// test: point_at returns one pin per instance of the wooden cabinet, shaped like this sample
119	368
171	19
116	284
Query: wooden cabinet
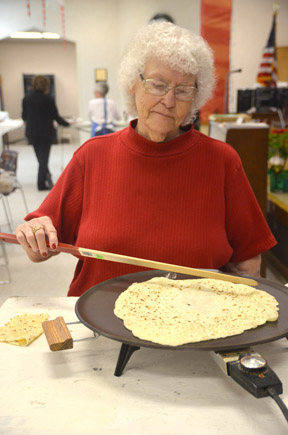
277	216
252	146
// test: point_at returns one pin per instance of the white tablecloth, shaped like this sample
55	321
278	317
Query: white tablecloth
160	392
9	125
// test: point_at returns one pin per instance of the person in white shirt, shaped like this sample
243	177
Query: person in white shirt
102	111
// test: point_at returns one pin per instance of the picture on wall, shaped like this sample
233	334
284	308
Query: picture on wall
101	75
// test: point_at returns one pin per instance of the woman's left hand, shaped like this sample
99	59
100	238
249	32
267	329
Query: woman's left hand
248	267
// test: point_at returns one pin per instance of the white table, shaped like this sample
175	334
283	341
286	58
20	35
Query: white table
160	392
9	125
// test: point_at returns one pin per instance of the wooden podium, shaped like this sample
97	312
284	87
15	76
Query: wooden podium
250	140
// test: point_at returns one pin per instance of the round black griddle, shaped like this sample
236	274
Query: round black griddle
95	309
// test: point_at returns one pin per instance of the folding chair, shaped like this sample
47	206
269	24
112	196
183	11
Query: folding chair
4	263
8	184
8	164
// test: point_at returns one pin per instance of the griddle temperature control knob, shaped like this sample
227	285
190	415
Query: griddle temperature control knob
253	363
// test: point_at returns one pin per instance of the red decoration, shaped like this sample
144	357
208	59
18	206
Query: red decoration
63	22
28	7
44	14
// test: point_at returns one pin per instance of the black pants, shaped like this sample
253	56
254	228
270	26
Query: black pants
42	150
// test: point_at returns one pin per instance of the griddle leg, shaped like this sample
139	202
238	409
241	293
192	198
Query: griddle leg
123	358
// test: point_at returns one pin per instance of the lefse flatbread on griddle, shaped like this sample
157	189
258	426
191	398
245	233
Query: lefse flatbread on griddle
175	312
23	329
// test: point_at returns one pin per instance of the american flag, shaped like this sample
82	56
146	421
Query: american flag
267	74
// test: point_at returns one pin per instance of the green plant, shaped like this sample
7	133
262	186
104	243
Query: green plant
277	149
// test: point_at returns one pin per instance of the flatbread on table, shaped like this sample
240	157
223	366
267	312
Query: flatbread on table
23	329
176	312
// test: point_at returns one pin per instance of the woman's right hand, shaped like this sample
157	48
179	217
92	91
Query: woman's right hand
32	236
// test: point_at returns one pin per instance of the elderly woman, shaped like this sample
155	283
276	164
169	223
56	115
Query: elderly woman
158	189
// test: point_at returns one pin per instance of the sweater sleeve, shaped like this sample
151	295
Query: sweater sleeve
24	110
63	204
55	114
247	229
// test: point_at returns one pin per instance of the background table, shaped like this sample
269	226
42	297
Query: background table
8	125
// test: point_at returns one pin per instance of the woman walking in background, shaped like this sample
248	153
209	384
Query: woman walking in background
39	112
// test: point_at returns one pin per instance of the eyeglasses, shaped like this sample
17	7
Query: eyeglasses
157	87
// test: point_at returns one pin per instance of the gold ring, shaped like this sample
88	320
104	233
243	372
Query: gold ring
36	228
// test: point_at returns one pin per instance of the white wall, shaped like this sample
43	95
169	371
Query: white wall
34	57
108	25
101	29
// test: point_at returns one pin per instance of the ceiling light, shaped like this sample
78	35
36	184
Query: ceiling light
50	35
26	35
35	35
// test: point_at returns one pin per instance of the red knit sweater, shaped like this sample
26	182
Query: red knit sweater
185	202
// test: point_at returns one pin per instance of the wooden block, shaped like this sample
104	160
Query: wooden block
57	334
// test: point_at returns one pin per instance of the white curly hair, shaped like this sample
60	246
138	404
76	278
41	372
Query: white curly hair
181	49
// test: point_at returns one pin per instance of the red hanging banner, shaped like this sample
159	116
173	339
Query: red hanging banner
215	29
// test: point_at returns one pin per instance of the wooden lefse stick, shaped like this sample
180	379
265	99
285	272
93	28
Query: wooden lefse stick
108	256
100	255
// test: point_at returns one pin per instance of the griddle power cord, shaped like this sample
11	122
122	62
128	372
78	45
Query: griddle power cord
272	393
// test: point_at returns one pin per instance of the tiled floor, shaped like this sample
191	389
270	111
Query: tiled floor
50	278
